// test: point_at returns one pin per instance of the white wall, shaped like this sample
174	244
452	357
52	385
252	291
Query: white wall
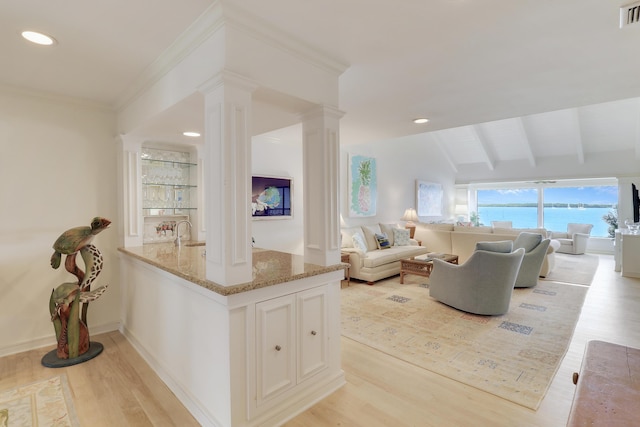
57	171
280	158
399	164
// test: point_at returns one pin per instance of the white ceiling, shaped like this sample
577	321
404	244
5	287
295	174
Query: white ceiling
500	80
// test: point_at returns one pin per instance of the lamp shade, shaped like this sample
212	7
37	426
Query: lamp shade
410	215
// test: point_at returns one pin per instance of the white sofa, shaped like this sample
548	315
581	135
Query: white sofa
371	263
461	240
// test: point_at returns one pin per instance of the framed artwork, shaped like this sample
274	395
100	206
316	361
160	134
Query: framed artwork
428	198
363	186
270	197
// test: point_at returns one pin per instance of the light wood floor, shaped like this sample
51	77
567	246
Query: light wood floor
118	388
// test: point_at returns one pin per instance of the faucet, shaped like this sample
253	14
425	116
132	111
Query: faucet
178	242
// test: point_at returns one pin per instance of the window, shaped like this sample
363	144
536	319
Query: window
550	204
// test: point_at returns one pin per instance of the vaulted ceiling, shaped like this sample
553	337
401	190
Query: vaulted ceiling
498	80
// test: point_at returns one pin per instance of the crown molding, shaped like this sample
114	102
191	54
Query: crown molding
54	97
204	27
213	19
257	28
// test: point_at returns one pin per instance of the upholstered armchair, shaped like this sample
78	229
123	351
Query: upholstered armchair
482	285
535	251
575	240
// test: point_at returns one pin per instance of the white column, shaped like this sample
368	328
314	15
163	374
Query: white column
227	178
130	188
321	157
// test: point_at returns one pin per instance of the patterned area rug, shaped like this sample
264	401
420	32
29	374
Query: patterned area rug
43	403
578	269
514	356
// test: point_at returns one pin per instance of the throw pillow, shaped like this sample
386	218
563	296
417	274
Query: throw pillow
401	237
503	246
346	234
383	242
370	232
358	242
388	230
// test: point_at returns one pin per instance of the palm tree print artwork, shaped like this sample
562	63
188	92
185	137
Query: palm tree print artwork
363	186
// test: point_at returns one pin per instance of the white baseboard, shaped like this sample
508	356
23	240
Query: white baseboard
50	341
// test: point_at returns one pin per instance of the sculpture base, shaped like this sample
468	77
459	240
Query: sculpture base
51	359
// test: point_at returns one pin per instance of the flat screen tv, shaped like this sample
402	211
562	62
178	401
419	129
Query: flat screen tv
636	203
271	197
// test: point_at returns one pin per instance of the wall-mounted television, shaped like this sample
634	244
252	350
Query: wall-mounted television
636	203
271	197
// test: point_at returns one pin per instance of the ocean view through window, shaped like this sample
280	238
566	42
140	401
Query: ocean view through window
552	208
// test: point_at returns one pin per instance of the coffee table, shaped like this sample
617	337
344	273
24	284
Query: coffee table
423	265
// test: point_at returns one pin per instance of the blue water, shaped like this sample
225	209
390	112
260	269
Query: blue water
555	219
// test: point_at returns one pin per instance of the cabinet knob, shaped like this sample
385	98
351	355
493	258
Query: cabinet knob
278	348
313	332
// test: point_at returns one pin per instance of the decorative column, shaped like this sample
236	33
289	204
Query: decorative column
321	158
130	188
227	178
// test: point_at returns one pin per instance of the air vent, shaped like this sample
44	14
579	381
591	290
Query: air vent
630	15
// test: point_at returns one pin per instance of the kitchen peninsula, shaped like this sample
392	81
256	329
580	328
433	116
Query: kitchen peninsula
249	354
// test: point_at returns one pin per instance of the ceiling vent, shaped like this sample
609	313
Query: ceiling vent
630	14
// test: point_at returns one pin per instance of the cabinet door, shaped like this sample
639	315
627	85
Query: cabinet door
276	367
312	332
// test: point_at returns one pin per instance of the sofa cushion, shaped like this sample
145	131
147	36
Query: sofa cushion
346	234
382	241
501	224
370	232
502	246
439	226
485	230
358	242
528	241
401	237
395	254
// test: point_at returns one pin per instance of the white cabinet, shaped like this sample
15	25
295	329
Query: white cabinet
630	254
288	351
276	352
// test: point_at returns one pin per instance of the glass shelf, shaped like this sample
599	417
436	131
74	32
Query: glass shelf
162	184
167	162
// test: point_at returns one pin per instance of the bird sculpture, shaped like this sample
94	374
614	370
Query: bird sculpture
74	239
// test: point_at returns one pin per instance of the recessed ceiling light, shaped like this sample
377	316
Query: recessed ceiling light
420	120
191	134
38	38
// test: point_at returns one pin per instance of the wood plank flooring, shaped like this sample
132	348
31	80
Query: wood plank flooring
119	389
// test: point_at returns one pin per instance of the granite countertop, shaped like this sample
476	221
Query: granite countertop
188	262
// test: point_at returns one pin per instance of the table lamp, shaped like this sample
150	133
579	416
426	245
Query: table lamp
410	215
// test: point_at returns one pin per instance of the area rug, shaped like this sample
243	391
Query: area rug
42	403
514	356
578	269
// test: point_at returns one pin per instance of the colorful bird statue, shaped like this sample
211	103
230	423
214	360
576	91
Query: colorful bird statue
74	239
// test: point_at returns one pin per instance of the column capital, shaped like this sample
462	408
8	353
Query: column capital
321	111
227	77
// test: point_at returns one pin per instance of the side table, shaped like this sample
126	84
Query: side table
344	258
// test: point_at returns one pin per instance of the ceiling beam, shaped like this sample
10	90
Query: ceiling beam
443	149
478	135
575	116
526	144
